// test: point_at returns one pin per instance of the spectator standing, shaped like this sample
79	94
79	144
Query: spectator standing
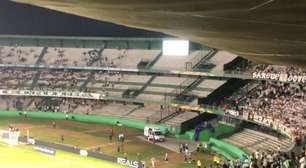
62	138
302	162
125	156
181	148
166	158
199	164
198	147
153	162
111	134
53	125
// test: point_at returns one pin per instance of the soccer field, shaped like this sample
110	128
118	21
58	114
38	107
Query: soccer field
86	136
26	157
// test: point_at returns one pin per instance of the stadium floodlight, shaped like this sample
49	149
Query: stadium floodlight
175	47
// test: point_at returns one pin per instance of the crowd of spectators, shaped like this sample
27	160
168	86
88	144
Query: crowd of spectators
280	69
281	106
66	105
14	78
54	80
266	159
274	159
22	55
94	57
60	56
278	105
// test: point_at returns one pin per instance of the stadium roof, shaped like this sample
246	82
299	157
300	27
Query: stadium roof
23	19
266	31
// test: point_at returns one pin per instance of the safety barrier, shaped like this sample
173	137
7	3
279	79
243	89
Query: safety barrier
88	118
227	150
43	146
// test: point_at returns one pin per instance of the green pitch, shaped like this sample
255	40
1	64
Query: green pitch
26	157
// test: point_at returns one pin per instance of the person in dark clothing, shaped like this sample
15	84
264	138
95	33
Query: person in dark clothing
111	134
62	138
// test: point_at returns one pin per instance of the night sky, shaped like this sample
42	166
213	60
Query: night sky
29	20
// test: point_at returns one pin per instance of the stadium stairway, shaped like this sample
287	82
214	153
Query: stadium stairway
190	84
218	58
37	75
133	110
151	63
41	55
148	66
91	77
252	141
35	80
86	82
169	117
27	106
180	118
144	86
226	90
186	93
228	87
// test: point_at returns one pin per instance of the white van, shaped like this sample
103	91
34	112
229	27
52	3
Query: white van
153	134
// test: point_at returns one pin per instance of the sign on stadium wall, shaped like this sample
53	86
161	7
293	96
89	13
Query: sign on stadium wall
50	93
129	163
45	150
279	77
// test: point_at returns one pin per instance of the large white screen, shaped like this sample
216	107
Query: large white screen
175	47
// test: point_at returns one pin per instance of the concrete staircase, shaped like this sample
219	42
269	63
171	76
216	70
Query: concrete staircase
252	141
180	118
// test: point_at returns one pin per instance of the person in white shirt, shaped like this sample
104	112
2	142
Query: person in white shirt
303	162
153	162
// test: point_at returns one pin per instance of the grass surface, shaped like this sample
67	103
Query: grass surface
89	136
26	157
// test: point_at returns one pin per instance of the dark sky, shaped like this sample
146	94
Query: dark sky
28	20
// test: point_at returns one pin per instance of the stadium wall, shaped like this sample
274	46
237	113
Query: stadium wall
90	118
76	150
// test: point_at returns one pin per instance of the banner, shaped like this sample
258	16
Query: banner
45	150
232	112
51	93
279	77
83	153
130	163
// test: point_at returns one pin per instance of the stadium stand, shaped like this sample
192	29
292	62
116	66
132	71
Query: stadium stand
21	55
276	105
253	141
71	56
180	118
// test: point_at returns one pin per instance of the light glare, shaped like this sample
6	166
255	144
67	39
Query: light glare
175	48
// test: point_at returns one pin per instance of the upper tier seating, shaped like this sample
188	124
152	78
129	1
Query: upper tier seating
19	55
